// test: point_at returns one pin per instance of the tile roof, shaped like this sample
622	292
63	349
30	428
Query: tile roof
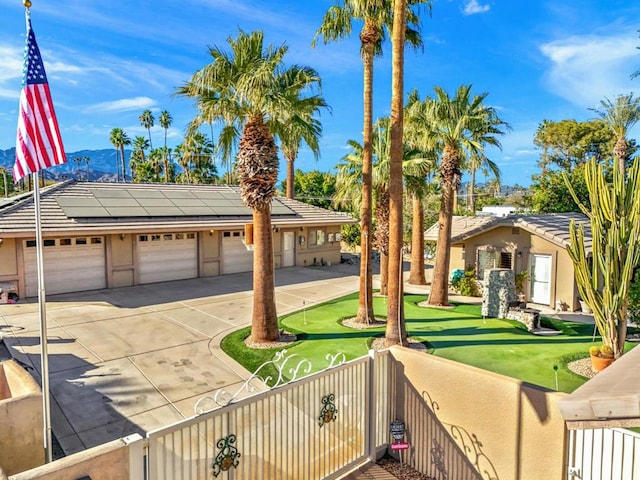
551	226
71	207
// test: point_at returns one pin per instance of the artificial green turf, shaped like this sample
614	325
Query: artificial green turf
459	334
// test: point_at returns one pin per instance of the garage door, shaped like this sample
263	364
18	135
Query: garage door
70	265
167	256
235	256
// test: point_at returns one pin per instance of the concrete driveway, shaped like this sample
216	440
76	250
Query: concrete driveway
135	359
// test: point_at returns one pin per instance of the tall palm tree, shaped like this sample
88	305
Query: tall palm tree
620	115
119	139
245	87
138	161
418	186
377	18
459	126
165	119
147	120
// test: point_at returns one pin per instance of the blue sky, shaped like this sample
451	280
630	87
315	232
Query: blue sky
108	61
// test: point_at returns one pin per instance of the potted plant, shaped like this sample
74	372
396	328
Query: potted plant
601	357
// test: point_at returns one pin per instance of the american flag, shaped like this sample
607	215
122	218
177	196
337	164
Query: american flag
38	142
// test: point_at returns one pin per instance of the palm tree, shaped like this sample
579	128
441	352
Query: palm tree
119	139
459	126
300	126
146	120
377	17
418	186
5	184
477	160
165	120
620	115
247	88
86	160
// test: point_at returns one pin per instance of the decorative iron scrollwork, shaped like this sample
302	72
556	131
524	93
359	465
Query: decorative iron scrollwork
227	456
329	411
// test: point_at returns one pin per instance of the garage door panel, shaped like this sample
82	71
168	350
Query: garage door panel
235	256
72	267
167	257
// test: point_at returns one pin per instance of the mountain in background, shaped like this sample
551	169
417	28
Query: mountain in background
101	168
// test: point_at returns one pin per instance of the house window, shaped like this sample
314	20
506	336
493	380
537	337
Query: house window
179	236
49	243
485	260
65	241
155	238
96	240
143	238
81	241
313	237
320	237
168	236
31	243
505	260
191	236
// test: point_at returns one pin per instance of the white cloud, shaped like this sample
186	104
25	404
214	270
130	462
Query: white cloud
472	7
122	105
585	69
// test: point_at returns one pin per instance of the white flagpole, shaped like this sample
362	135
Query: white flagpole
44	357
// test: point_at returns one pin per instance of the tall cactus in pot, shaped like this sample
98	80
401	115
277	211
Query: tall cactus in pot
604	276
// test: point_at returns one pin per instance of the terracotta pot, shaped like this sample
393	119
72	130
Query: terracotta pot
599	363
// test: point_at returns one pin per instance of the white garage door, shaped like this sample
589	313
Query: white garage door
167	256
70	265
235	256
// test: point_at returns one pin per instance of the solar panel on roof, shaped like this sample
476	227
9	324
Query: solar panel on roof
159	201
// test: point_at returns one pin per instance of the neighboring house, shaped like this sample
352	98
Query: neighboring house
107	235
536	243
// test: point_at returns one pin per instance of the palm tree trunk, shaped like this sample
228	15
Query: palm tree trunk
290	176
117	164
416	275
396	331
439	294
384	274
472	186
264	322
124	164
365	302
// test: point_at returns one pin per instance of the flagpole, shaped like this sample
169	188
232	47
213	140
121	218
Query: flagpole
42	310
44	356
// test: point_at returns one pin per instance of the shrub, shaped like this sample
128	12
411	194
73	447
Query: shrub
464	282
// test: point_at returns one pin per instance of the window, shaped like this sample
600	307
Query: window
65	241
312	237
505	260
168	236
81	241
179	236
226	234
191	236
320	237
143	238
155	238
485	260
96	240
30	243
49	243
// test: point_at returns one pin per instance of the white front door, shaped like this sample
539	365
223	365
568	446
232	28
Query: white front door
288	249
541	279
